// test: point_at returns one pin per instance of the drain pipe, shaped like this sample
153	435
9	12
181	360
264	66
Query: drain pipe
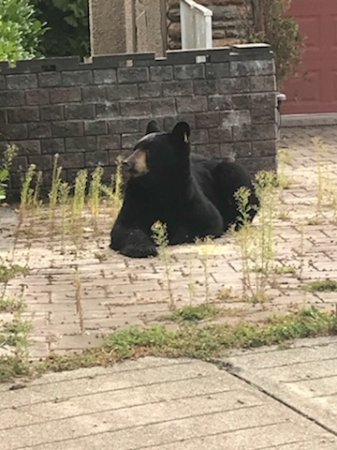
280	98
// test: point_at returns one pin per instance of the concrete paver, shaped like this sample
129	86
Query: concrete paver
303	376
151	403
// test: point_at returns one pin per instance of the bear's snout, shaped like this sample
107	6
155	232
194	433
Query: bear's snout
127	163
136	163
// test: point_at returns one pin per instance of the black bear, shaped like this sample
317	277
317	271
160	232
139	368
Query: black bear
192	195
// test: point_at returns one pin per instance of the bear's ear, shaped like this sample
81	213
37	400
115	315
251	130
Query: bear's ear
182	132
152	127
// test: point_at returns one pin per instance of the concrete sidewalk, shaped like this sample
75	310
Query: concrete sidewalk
263	399
303	376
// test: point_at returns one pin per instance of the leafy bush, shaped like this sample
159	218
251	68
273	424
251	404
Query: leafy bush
20	31
67	31
273	24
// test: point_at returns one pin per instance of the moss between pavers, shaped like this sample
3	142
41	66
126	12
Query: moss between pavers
11	305
195	313
7	272
322	286
190	340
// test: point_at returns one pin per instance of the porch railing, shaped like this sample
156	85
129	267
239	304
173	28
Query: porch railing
196	25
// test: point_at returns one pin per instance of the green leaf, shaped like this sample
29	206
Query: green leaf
19	30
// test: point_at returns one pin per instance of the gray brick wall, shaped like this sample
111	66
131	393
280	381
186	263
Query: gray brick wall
91	112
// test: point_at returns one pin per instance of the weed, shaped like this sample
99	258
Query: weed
12	367
190	340
77	207
9	272
283	215
78	300
266	192
242	197
27	192
100	256
60	363
283	159
322	286
15	333
206	247
6	164
326	189
123	342
258	297
225	294
30	194
114	193
314	220
95	192
195	313
244	238
159	234
36	202
117	184
257	243
208	342
79	195
55	185
63	198
330	189
9	304
108	194
284	270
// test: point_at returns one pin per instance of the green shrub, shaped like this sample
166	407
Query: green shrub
273	24
67	31
20	30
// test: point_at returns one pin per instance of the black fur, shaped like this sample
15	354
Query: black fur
192	195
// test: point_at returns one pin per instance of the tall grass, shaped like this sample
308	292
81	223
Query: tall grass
160	237
95	194
256	242
55	185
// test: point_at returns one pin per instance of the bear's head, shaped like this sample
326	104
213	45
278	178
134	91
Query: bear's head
159	156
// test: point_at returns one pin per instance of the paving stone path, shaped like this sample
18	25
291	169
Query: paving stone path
73	298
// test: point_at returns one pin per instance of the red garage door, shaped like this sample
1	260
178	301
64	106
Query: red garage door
313	89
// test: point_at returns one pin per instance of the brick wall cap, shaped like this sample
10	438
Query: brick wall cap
74	63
